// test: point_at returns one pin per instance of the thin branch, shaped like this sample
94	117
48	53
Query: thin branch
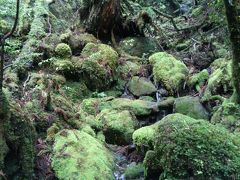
167	16
14	26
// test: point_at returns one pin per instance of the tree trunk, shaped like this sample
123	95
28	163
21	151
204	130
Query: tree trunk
232	13
104	17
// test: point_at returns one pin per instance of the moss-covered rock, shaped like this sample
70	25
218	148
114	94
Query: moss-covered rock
78	155
134	171
20	136
138	46
144	137
118	126
76	90
63	51
190	106
138	107
168	70
91	105
198	80
140	86
98	65
186	147
63	66
128	68
228	115
220	81
77	41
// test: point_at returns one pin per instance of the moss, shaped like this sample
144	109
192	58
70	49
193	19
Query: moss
21	141
168	70
186	147
11	80
118	126
227	115
139	86
77	155
147	98
198	80
190	106
63	51
138	107
78	41
91	105
30	52
87	129
4	27
144	137
151	165
219	82
4	114
49	44
39	80
127	69
134	172
139	46
98	65
77	91
54	129
64	66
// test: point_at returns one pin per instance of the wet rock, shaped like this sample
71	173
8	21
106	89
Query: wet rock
140	86
118	126
78	155
138	46
168	71
190	106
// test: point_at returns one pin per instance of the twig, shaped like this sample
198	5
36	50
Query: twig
169	17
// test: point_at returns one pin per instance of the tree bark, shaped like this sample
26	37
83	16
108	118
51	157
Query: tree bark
232	14
104	17
2	43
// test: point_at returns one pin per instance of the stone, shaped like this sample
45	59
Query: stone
191	107
78	155
140	86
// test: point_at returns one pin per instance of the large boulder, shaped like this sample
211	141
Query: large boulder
118	126
190	106
78	155
168	70
138	46
140	86
188	148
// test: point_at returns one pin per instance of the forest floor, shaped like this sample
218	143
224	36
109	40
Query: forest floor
83	107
